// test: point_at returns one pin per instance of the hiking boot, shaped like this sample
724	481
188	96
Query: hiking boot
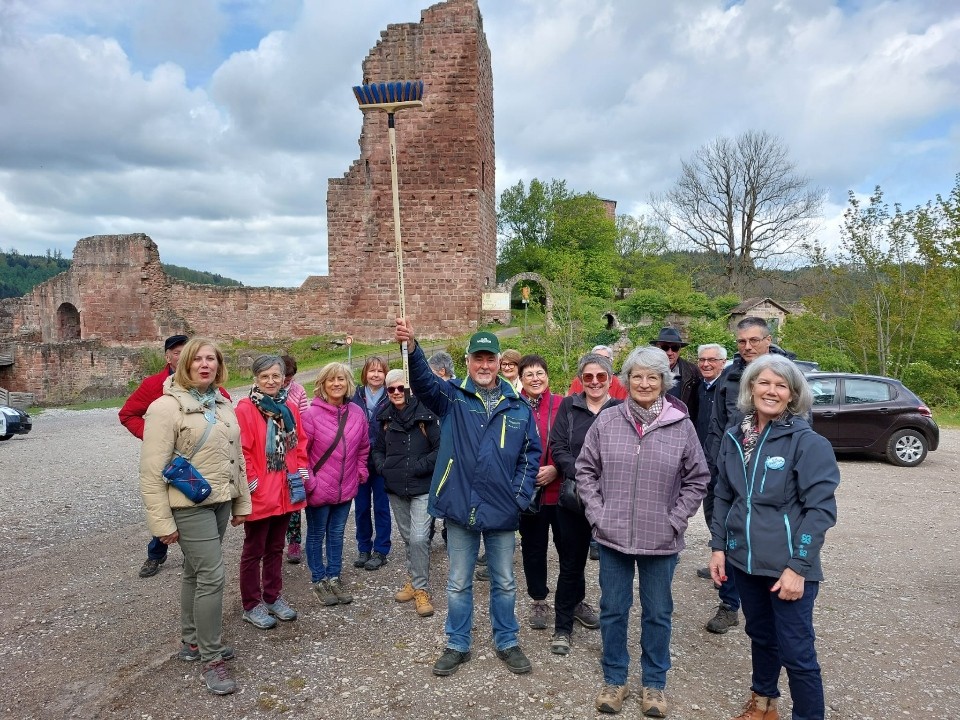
339	591
294	553
516	661
217	678
377	560
723	620
361	559
584	614
482	573
539	614
759	708
324	594
191	653
281	610
654	704
611	697
404	594
448	663
151	567
424	606
560	644
704	573
259	617
594	550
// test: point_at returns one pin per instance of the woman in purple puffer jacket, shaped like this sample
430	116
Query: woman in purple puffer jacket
337	447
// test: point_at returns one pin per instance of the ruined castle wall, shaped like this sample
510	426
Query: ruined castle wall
445	155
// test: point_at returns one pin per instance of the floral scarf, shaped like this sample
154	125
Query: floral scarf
751	434
281	427
645	416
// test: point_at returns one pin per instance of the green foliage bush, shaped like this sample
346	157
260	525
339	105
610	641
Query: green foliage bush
934	386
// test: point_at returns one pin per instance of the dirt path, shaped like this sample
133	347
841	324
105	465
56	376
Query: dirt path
81	636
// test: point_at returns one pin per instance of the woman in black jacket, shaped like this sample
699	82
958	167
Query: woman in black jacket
404	454
574	418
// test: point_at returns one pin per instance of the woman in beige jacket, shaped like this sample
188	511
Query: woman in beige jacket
176	422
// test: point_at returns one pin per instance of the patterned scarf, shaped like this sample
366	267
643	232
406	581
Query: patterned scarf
281	427
208	401
751	434
645	416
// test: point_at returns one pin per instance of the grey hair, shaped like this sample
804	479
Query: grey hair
598	348
265	362
652	358
754	321
393	376
601	360
721	350
442	361
801	399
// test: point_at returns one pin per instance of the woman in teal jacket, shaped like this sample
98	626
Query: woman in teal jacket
773	505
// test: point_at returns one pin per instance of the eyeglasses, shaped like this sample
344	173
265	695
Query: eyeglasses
538	375
709	360
269	378
600	377
670	347
507	364
394	389
752	342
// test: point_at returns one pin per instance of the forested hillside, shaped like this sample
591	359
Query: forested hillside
19	274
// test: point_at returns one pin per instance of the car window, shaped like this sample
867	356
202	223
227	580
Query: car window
824	391
866	391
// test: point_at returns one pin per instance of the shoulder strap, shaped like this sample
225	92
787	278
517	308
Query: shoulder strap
203	439
326	455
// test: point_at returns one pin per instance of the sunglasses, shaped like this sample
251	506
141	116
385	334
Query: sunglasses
671	348
393	389
600	377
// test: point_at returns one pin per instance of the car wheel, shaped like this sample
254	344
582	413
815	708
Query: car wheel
906	448
5	437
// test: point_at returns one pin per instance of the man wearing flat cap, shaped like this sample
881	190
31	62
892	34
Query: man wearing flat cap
485	475
131	417
685	374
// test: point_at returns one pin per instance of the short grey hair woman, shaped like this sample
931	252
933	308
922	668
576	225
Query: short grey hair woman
638	496
773	504
442	365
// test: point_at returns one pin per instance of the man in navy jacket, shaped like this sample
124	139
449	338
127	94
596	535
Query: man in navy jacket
485	475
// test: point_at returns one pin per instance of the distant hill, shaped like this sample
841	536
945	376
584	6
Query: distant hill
19	274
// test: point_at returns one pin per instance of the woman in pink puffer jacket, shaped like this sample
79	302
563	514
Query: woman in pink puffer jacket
332	483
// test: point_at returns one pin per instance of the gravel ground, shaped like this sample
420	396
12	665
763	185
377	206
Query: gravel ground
84	637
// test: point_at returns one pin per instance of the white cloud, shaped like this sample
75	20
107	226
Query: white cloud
213	125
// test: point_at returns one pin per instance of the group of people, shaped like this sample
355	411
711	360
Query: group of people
623	461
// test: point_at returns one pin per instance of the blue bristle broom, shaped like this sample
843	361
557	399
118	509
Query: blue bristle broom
391	97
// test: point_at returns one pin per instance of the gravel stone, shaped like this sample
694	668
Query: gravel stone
81	636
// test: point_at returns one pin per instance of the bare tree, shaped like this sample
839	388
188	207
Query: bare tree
743	200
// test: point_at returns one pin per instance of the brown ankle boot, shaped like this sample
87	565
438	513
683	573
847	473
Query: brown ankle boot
759	708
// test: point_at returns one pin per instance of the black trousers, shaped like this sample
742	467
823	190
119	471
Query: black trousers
535	539
573	547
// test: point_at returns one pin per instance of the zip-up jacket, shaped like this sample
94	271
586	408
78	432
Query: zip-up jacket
272	496
346	468
360	400
406	449
486	466
639	490
545	415
774	512
569	431
686	389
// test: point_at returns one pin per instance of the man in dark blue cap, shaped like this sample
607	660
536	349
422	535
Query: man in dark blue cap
485	475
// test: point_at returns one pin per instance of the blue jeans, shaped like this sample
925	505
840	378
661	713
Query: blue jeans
781	635
325	523
656	614
728	591
463	545
375	490
156	550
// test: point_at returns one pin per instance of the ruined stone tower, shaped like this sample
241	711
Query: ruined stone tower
445	156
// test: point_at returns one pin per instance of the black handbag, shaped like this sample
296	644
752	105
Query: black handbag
569	498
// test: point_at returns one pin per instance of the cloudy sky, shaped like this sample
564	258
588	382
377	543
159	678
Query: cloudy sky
213	125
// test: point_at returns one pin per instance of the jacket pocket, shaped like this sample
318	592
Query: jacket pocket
446	474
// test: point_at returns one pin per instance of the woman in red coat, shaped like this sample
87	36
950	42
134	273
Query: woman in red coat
273	448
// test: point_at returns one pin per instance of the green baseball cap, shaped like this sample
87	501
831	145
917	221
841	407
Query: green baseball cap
484	342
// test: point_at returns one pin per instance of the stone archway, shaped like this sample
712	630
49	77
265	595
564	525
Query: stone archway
68	322
508	285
